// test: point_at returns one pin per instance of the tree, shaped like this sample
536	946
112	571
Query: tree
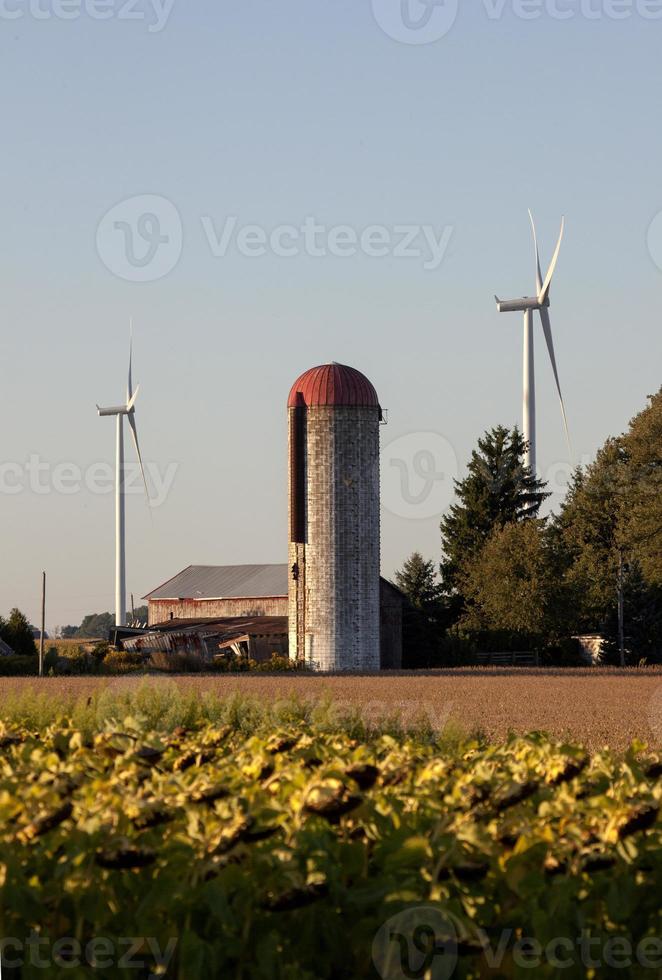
418	580
587	535
422	625
141	613
17	632
608	537
96	625
511	584
498	490
643	530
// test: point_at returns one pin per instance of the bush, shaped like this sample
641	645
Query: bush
230	663
456	651
19	666
51	659
123	662
78	662
99	650
179	662
566	653
276	664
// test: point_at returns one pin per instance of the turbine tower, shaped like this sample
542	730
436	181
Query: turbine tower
120	411
528	305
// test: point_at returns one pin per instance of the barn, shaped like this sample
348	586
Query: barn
201	594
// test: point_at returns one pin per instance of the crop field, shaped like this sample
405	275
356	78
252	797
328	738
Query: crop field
132	848
596	707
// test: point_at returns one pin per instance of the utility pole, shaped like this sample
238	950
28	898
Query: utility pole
133	612
43	624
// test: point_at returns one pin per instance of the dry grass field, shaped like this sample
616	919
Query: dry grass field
597	707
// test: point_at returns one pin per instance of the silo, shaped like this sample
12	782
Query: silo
333	436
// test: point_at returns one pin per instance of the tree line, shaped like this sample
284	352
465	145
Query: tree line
510	579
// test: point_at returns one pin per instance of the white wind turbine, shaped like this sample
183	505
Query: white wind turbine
528	305
120	411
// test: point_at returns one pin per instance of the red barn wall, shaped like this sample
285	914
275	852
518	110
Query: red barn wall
160	610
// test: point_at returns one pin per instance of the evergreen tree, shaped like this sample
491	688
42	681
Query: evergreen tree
498	490
417	579
422	626
17	632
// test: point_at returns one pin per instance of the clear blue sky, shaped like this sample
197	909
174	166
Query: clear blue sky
271	113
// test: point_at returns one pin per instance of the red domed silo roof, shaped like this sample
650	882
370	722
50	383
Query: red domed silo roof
333	384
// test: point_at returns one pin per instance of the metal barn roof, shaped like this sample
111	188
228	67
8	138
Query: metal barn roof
224	582
5	649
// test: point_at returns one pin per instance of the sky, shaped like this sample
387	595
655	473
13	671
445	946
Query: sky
265	187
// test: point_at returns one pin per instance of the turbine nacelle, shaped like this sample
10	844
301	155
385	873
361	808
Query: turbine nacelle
128	409
117	410
520	305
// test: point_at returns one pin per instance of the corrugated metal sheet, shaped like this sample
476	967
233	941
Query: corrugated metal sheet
333	384
224	582
206	635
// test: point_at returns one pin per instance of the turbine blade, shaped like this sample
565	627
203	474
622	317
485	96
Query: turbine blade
535	243
129	387
134	433
132	400
544	293
547	330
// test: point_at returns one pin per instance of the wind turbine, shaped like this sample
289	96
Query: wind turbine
528	305
120	411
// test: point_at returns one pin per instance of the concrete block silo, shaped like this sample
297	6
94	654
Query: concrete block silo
333	435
